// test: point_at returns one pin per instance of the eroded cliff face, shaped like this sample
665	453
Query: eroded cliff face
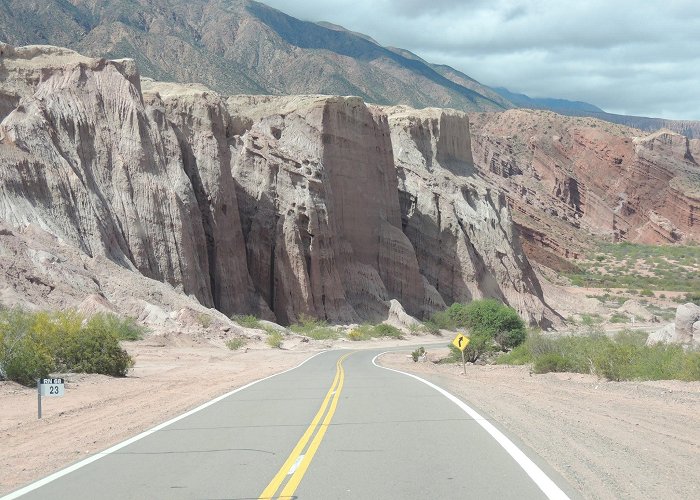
567	177
86	158
460	227
309	205
319	203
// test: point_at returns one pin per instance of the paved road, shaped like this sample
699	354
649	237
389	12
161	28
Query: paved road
336	427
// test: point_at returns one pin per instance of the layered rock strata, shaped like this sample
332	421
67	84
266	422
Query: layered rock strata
279	206
562	175
85	157
460	227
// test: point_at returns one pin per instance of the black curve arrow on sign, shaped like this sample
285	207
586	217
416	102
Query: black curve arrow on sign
460	341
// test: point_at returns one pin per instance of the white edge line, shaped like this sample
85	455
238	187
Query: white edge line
543	482
97	456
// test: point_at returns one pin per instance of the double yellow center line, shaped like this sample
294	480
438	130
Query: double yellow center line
298	461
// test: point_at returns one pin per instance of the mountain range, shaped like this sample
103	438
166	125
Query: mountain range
246	47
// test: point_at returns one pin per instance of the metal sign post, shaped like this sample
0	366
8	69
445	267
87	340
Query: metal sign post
461	342
38	395
53	387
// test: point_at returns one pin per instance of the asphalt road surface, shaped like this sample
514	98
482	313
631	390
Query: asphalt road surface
335	427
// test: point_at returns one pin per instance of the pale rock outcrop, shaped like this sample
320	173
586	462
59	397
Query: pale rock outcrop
686	317
87	159
460	227
685	330
636	310
663	335
320	211
399	318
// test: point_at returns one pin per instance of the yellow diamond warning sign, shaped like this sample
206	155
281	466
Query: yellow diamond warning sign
461	342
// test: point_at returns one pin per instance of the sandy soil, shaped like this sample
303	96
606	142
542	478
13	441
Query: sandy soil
610	440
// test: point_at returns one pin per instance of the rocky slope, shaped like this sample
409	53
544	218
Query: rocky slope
238	46
279	206
568	178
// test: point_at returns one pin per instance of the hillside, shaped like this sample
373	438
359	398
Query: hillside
688	128
240	47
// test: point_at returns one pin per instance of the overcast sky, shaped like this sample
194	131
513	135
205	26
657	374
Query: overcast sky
638	57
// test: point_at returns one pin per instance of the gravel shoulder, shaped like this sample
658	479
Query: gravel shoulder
609	440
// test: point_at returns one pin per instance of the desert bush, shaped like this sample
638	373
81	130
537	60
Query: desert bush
550	362
358	334
274	340
521	355
619	318
431	327
492	319
384	330
204	320
247	321
313	328
122	328
625	357
368	331
236	343
417	354
33	344
94	349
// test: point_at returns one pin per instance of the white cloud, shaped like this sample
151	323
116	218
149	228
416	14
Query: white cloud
629	56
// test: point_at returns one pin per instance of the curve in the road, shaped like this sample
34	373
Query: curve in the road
543	482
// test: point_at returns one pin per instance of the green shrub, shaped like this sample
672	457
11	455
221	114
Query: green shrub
493	320
236	343
691	367
619	318
32	345
94	349
274	340
693	297
521	355
626	357
204	320
247	321
24	352
122	328
417	354
313	328
367	331
384	330
358	334
431	327
646	293
550	362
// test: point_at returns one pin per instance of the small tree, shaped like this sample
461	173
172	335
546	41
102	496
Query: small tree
491	319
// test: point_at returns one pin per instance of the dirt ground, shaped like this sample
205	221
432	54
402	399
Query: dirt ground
610	440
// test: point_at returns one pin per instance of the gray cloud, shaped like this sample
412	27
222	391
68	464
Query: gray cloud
627	56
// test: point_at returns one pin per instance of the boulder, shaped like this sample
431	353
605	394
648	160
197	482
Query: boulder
686	317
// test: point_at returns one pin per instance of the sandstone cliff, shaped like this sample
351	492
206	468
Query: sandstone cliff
278	206
460	227
86	158
566	178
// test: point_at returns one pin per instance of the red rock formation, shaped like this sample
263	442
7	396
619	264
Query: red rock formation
563	174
